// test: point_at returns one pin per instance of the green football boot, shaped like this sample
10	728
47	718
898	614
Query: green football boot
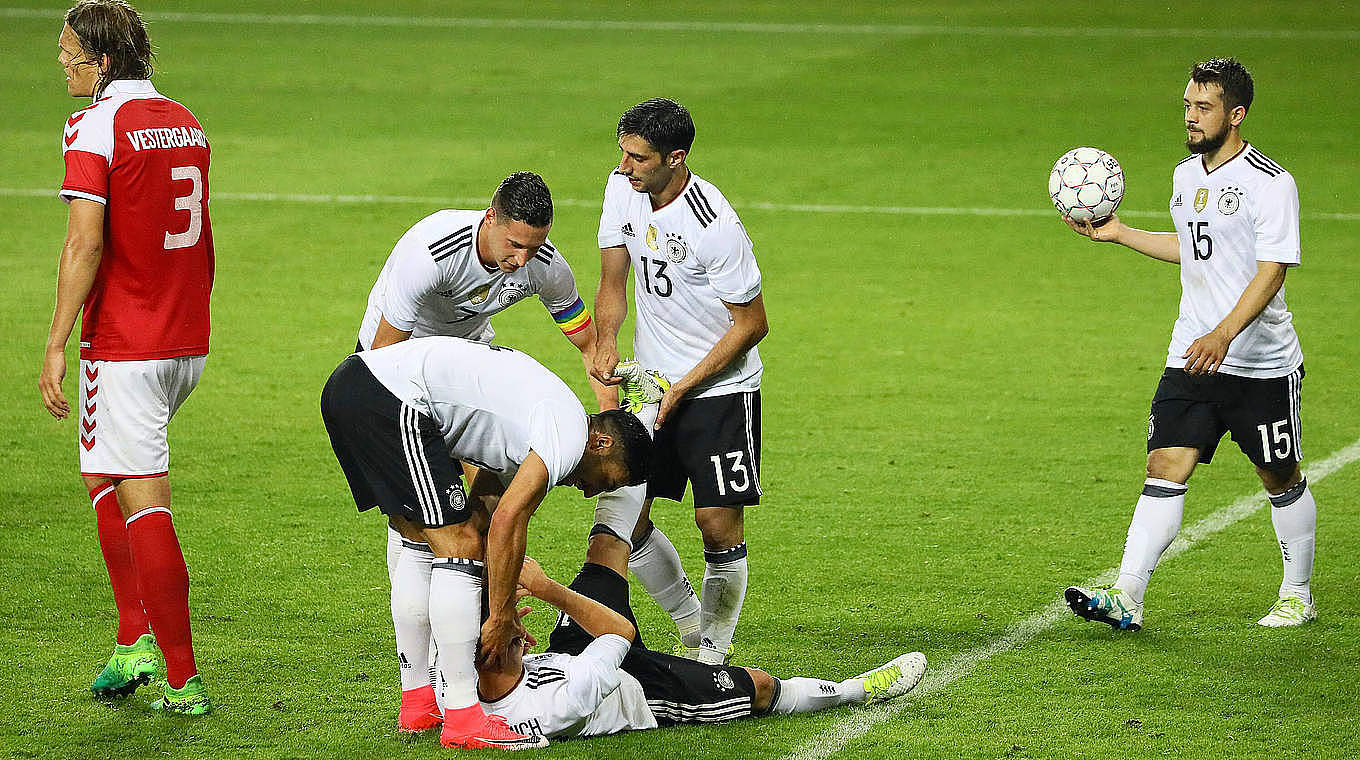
130	666
192	699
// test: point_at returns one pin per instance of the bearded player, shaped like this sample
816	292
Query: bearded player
1234	364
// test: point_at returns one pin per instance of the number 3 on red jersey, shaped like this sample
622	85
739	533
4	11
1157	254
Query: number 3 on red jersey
193	203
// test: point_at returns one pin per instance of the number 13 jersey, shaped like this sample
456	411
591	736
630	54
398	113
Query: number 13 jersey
688	257
145	158
1244	211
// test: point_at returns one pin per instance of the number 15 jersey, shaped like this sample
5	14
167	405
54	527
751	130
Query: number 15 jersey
1245	211
145	158
688	257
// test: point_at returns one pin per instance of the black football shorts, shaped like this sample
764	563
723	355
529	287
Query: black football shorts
714	444
1261	414
393	455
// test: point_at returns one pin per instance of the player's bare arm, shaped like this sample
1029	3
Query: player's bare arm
596	618
79	264
505	545
1206	353
387	334
1163	246
587	342
611	306
749	327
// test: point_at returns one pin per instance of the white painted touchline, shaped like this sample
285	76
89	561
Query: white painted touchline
857	723
737	27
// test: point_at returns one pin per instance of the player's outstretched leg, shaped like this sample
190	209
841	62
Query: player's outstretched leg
1106	604
130	666
890	681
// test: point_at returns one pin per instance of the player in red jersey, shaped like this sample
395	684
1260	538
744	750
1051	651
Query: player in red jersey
138	262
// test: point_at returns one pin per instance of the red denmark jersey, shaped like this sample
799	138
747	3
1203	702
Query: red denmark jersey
145	158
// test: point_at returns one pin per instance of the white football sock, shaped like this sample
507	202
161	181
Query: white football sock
1156	521
725	575
411	613
656	563
1294	514
800	695
456	620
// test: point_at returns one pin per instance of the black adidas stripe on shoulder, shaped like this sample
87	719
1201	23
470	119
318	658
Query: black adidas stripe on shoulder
545	253
703	210
1259	162
1266	159
446	246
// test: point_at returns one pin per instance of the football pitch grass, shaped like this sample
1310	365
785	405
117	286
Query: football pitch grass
956	386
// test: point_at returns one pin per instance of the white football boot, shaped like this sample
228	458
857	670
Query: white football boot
1289	611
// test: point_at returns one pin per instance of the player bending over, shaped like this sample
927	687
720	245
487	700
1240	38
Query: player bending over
400	418
596	677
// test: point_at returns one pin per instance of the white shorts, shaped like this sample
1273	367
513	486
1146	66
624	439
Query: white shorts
617	512
125	410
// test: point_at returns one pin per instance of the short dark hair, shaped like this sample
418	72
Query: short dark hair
524	197
1231	76
113	28
662	122
631	436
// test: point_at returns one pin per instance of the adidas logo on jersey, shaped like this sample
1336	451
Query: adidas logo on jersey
628	230
1178	202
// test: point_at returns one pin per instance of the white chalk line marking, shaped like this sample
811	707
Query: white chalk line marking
808	208
737	27
860	722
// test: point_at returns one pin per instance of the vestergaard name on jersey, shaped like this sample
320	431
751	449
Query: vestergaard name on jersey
167	137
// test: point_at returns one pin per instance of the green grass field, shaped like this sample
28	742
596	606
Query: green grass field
954	402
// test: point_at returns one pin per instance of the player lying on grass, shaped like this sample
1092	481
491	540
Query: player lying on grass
597	677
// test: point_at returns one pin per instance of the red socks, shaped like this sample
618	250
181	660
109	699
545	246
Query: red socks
164	584
113	540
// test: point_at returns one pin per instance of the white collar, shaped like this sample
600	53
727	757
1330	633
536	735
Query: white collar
128	87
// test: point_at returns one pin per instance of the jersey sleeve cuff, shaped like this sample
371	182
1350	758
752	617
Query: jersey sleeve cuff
67	194
743	297
611	648
1288	256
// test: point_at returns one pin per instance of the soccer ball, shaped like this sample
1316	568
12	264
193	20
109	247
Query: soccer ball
1086	185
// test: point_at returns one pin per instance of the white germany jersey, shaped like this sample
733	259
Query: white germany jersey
565	696
688	257
434	283
492	404
1245	211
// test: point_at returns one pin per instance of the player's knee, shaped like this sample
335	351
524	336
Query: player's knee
764	696
461	540
610	551
1174	464
721	527
642	531
1278	481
